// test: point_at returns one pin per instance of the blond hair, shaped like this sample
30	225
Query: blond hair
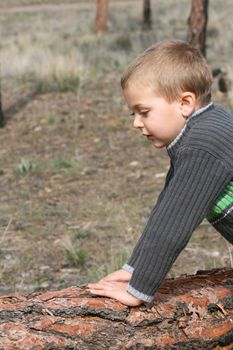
170	68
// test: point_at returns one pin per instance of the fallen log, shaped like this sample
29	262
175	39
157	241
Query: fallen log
190	312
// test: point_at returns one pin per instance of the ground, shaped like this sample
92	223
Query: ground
77	181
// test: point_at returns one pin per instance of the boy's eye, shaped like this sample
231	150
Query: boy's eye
143	113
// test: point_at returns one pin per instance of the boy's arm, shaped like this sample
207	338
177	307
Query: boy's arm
198	178
129	266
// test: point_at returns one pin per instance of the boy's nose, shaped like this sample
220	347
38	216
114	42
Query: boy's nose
137	123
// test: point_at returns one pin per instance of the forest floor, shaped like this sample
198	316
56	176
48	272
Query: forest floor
77	181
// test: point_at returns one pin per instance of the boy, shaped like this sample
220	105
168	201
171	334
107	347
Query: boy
167	88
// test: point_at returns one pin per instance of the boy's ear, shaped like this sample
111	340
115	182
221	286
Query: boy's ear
188	103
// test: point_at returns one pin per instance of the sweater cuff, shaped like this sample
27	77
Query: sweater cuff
128	268
139	295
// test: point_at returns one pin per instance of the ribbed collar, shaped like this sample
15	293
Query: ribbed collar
174	145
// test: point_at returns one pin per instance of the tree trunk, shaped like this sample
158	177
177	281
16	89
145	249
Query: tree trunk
101	16
197	23
192	312
146	15
2	117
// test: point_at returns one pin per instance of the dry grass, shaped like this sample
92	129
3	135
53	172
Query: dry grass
57	55
5	4
77	213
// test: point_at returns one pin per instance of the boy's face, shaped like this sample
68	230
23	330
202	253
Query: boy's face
157	119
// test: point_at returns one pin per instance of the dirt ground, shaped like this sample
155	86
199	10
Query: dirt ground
77	186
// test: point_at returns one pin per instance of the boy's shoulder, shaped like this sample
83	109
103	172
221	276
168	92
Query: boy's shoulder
213	133
213	122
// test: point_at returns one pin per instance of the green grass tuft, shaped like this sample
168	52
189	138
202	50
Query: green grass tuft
25	166
76	257
62	163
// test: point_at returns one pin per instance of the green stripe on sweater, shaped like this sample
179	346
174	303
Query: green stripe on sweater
223	202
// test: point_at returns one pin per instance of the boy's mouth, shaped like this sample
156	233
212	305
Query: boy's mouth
147	136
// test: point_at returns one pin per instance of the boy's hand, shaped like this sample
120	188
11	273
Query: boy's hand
118	276
115	290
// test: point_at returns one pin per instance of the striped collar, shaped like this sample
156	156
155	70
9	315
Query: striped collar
196	113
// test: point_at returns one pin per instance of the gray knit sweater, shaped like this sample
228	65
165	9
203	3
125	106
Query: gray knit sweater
198	185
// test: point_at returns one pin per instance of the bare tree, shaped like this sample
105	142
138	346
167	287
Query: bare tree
101	16
197	24
146	15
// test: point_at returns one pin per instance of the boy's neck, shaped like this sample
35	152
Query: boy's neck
201	108
172	146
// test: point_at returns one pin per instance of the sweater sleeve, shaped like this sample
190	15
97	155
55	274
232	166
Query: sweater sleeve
131	263
198	179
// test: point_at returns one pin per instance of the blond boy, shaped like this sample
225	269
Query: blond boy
168	90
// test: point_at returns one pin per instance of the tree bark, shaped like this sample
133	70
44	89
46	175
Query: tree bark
101	16
147	24
197	24
2	116
192	312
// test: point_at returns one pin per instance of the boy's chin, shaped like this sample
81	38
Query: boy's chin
158	145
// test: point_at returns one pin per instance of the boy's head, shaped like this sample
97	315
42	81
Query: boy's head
170	68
